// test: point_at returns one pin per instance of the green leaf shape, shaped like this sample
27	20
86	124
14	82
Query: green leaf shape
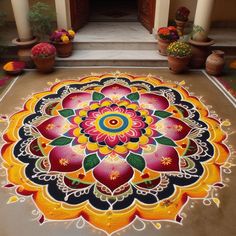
67	112
62	141
90	162
191	164
136	161
166	141
133	96
98	96
162	114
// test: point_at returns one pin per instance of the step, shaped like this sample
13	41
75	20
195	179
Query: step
113	58
91	45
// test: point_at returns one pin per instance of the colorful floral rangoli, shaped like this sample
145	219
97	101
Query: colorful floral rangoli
109	150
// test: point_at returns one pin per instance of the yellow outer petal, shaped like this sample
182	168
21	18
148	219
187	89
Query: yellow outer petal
143	140
82	139
105	150
92	146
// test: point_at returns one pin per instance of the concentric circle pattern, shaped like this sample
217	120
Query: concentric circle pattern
110	150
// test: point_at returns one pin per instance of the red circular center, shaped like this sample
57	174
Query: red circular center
113	122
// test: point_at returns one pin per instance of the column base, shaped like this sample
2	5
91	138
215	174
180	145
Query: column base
200	52
24	50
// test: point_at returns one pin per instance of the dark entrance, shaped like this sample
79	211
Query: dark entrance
108	10
83	11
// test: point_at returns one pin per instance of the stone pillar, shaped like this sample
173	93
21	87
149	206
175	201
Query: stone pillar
203	18
161	14
63	14
20	10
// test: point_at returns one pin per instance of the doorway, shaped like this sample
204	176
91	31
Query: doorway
113	11
84	11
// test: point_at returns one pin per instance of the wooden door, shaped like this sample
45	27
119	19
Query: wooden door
146	13
80	10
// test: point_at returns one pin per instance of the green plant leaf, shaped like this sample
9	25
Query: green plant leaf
98	96
166	141
62	141
162	114
136	161
133	96
41	17
90	162
67	112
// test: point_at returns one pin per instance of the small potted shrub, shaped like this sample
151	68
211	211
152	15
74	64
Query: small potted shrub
166	35
43	55
200	49
41	17
181	17
179	55
62	40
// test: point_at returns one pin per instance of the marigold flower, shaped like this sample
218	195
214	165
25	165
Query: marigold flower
62	36
65	39
71	33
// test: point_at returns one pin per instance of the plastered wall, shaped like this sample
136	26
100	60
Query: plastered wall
224	10
5	6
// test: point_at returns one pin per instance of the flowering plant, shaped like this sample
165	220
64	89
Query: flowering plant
43	50
182	14
62	36
14	66
179	49
168	33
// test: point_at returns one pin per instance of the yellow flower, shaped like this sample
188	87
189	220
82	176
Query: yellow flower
65	39
71	33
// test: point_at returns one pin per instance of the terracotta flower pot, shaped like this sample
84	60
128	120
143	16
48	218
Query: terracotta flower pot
64	49
163	45
44	64
215	63
200	52
180	26
178	64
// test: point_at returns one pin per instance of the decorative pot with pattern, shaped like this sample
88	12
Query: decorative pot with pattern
180	26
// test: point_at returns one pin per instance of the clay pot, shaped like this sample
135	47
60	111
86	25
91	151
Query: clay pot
215	63
163	45
200	52
178	64
44	64
24	51
180	25
63	49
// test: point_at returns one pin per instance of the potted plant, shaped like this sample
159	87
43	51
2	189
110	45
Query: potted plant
41	18
43	55
200	48
166	35
181	18
62	40
179	54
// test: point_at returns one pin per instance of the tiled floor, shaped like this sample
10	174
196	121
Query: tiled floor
124	32
114	32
